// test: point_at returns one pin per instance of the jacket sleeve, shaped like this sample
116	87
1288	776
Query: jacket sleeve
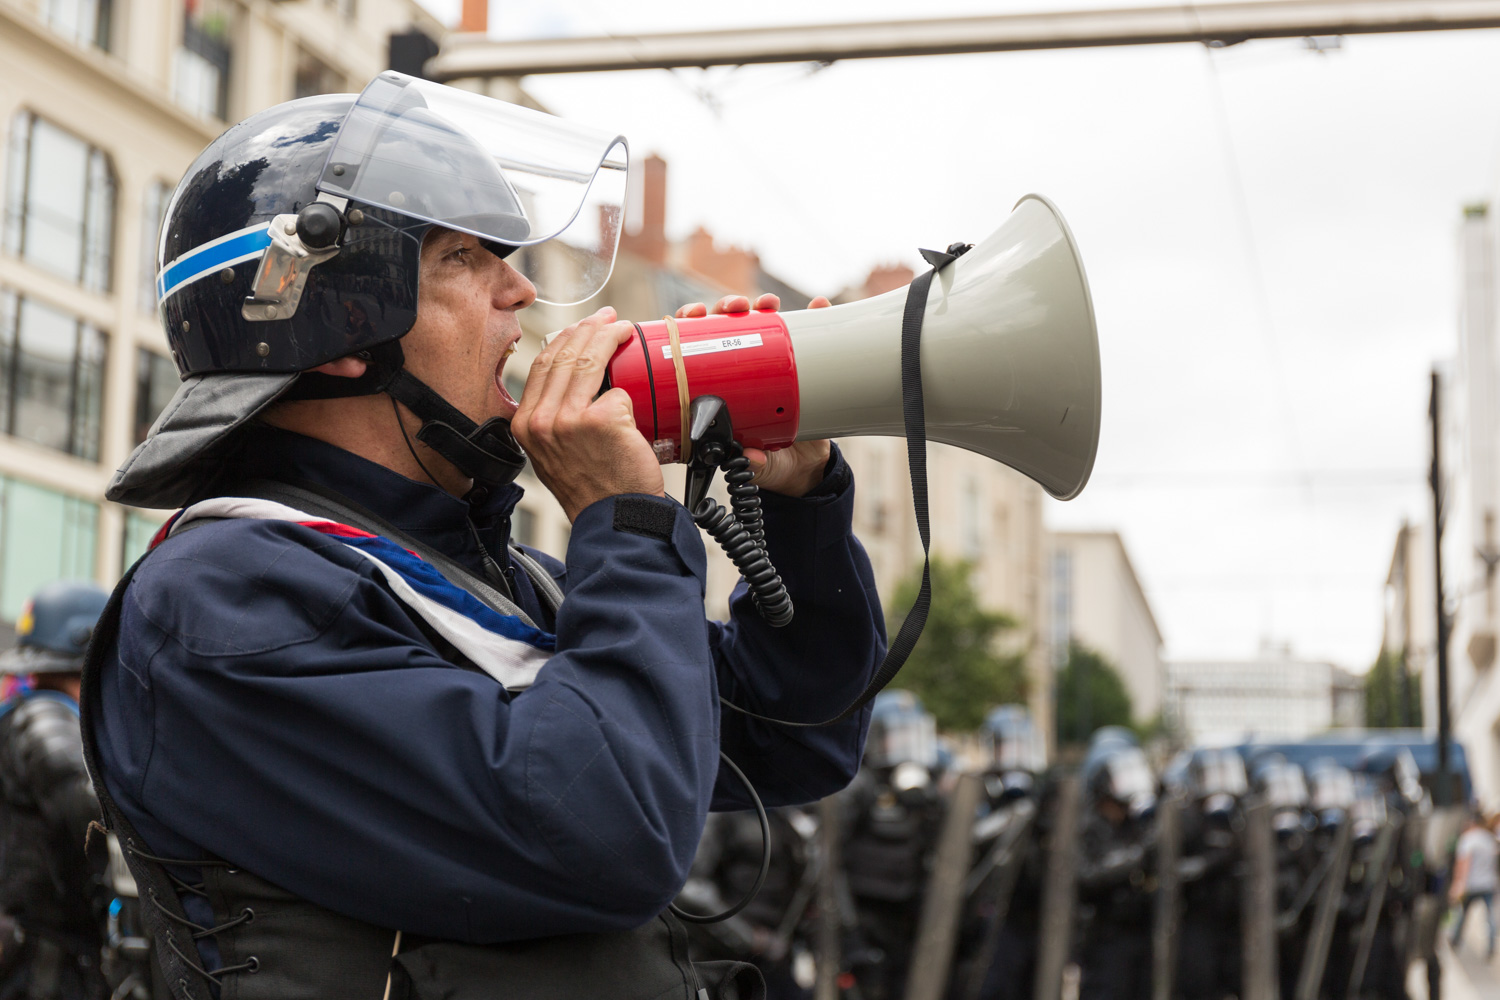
46	752
273	705
809	670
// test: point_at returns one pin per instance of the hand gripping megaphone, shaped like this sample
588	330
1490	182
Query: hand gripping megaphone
1009	362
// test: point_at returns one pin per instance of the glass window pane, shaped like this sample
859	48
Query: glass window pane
99	227
88	393
15	179
48	341
156	380
57	182
152	213
44	536
9	304
138	534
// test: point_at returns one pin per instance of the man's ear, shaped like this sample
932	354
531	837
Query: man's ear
345	367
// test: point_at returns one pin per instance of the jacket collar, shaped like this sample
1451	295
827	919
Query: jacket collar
426	512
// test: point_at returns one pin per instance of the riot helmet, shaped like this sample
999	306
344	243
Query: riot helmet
1015	753
1116	770
294	239
1396	771
1331	791
1284	789
901	732
1216	779
54	629
1368	813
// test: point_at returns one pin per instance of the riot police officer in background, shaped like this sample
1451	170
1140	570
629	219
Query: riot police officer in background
893	816
1282	786
1398	939
1115	883
1015	791
1331	788
766	932
1208	963
46	805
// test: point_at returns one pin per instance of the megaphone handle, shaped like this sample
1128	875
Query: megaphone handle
915	420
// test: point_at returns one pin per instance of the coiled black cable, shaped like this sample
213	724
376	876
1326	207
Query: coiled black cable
740	532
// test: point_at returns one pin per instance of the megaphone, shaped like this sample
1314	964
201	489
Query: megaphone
1010	362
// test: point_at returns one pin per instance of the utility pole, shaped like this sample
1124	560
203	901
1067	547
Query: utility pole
472	55
1445	722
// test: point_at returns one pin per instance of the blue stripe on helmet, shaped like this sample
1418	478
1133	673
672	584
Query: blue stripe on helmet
210	257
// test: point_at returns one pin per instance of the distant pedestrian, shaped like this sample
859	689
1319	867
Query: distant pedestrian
1474	878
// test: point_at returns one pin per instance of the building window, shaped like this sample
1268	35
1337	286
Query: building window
51	377
973	541
44	536
137	536
1062	606
156	380
201	66
86	22
523	527
153	213
315	77
60	202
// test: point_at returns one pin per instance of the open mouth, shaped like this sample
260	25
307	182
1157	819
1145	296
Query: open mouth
505	395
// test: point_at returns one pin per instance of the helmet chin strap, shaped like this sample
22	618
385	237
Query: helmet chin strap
486	453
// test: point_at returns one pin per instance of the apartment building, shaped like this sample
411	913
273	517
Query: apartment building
104	103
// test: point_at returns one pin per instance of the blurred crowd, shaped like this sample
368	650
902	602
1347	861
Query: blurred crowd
1226	872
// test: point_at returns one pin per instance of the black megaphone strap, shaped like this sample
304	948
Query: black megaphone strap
915	418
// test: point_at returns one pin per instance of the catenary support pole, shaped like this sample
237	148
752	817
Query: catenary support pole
1444	791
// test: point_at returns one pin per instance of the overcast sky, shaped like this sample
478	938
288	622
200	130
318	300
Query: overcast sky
1270	235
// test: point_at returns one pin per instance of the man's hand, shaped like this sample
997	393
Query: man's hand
790	471
584	449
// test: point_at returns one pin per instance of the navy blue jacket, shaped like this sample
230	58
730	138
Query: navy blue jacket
272	704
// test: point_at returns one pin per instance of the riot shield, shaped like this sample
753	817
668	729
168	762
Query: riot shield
1059	891
830	910
1168	896
991	885
1377	879
937	927
1259	976
1335	871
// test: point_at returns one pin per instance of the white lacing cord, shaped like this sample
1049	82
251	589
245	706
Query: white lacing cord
396	947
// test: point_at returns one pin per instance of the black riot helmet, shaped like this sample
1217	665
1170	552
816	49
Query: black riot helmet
1015	752
1283	787
295	239
1116	769
1216	780
1331	790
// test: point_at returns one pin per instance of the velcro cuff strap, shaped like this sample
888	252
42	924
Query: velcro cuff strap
653	517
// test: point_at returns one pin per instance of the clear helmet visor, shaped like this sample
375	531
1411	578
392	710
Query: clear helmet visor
1130	776
1332	788
1285	788
1220	772
494	170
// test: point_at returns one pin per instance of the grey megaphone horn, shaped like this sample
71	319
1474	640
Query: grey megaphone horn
1010	361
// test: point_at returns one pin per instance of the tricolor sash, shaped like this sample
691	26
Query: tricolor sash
504	646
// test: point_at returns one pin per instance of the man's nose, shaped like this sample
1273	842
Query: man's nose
512	290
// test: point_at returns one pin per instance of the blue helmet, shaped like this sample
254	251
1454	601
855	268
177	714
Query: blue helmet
54	628
295	239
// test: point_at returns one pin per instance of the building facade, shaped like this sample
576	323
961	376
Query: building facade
104	105
1470	441
1096	599
1275	696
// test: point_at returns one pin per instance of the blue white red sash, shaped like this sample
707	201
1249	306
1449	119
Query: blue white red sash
504	646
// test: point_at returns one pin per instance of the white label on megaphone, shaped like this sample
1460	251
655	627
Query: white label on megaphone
714	345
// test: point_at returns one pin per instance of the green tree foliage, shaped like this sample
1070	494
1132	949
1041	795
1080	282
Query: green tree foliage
960	667
1090	694
1383	692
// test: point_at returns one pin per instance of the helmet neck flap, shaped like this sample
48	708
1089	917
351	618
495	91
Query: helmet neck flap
486	453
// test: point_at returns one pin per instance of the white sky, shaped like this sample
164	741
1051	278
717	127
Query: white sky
1270	235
